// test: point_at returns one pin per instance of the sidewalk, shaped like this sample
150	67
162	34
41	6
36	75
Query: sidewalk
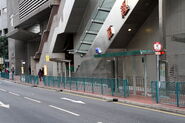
132	100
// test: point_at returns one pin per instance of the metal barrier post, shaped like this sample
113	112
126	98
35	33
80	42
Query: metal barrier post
157	91
101	86
112	86
125	88
59	80
76	84
177	93
92	85
64	81
84	83
70	82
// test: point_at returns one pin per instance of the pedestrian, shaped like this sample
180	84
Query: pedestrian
29	70
12	70
40	75
42	72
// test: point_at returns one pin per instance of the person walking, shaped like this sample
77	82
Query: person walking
40	75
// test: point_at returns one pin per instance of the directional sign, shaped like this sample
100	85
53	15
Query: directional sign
157	46
4	105
74	101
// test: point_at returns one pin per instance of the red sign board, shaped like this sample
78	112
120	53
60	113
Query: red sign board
160	53
157	46
124	9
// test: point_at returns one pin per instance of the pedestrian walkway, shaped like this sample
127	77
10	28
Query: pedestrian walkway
131	100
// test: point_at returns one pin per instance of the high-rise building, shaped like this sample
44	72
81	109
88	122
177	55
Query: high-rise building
3	17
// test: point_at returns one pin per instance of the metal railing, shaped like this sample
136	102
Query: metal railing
169	92
30	79
101	86
5	75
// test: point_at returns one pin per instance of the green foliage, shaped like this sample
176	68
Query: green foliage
4	47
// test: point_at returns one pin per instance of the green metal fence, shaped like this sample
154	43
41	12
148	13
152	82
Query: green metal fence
169	92
102	86
5	75
29	79
90	85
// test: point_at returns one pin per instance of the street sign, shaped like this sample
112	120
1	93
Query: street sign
98	50
157	46
47	58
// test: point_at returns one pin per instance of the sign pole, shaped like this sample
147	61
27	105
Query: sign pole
157	66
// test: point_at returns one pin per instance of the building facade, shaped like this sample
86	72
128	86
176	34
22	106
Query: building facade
3	31
68	38
3	18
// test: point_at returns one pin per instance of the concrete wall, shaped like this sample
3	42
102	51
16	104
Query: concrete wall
20	56
175	27
175	23
12	6
144	39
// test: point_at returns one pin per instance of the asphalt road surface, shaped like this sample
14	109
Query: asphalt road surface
24	104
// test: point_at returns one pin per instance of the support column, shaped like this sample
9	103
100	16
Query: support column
162	22
116	73
145	74
134	73
69	69
162	32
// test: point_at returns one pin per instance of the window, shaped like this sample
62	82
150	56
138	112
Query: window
5	31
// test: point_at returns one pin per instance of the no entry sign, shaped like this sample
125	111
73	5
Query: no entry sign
157	46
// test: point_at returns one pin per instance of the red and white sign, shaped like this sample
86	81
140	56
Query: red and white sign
157	46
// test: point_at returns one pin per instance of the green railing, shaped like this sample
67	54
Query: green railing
29	79
169	92
5	75
90	85
101	86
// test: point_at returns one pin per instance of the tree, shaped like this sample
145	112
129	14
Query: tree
4	47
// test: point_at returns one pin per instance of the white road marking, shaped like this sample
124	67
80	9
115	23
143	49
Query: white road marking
99	122
80	102
64	110
4	105
37	101
14	94
3	90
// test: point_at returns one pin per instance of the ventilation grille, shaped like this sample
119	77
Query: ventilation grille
28	6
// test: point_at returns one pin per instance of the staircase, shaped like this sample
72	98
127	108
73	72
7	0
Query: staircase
94	25
96	33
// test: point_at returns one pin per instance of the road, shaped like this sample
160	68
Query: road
24	104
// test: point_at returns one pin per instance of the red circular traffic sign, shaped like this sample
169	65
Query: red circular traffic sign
157	46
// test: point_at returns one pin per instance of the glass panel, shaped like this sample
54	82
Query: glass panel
84	47
101	15
108	4
89	38
95	27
